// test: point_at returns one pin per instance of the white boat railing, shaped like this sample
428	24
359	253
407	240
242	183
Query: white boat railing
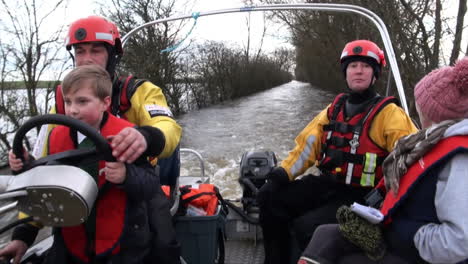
189	180
344	8
203	178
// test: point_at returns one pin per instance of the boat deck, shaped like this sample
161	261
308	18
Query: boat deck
244	252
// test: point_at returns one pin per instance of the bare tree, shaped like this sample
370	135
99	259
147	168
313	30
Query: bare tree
6	104
29	52
33	50
143	57
458	32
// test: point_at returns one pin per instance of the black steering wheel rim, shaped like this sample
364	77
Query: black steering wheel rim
102	151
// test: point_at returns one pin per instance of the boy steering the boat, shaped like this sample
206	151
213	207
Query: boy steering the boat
117	230
348	141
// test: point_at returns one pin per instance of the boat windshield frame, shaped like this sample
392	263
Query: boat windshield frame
343	8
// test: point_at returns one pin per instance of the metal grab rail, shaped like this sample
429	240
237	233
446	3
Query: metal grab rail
376	20
8	207
175	193
200	159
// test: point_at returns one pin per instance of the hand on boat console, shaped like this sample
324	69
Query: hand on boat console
128	145
15	249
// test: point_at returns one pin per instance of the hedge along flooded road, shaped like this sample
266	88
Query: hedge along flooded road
268	120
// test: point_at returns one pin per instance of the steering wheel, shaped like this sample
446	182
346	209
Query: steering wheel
101	151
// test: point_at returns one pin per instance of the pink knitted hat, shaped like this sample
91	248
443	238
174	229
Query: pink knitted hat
443	93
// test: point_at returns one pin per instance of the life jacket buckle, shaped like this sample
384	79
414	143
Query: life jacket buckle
354	143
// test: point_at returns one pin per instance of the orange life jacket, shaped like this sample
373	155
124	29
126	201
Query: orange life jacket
110	205
204	197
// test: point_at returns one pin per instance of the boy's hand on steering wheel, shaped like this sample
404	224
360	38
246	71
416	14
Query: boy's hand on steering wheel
15	163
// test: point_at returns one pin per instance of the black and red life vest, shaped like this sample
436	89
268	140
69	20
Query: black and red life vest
123	89
348	153
110	206
419	172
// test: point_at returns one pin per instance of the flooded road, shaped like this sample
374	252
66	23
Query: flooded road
269	120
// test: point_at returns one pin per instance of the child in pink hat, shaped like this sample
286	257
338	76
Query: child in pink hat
443	93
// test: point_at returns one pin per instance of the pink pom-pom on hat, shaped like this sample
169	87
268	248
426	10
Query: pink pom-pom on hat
443	93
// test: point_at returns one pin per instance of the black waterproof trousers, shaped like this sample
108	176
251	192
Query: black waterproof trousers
296	209
165	247
328	246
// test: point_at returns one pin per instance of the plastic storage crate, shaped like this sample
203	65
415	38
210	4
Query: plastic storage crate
199	237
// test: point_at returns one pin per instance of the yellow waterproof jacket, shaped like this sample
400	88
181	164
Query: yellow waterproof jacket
149	108
389	125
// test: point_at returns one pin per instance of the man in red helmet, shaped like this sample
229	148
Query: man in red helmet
347	141
96	41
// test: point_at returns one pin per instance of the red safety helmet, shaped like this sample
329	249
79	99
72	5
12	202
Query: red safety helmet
363	50
94	29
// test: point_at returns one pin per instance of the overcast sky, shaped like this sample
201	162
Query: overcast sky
229	27
225	27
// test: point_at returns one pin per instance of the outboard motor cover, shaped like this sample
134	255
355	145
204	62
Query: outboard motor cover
254	167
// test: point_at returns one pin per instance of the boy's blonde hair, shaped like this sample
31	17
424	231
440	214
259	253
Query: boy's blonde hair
93	75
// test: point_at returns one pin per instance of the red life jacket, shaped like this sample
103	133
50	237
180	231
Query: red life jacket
123	89
444	150
204	197
348	153
110	207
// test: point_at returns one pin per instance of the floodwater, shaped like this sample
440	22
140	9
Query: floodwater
268	120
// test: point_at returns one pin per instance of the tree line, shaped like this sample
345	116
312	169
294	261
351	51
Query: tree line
416	29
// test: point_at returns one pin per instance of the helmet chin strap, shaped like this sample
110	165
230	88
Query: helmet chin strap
112	60
72	57
371	84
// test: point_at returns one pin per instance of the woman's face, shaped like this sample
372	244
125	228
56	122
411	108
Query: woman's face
359	76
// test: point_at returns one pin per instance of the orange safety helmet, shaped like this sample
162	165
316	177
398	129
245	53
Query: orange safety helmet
363	50
94	29
97	29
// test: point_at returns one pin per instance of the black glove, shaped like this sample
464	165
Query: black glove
276	178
